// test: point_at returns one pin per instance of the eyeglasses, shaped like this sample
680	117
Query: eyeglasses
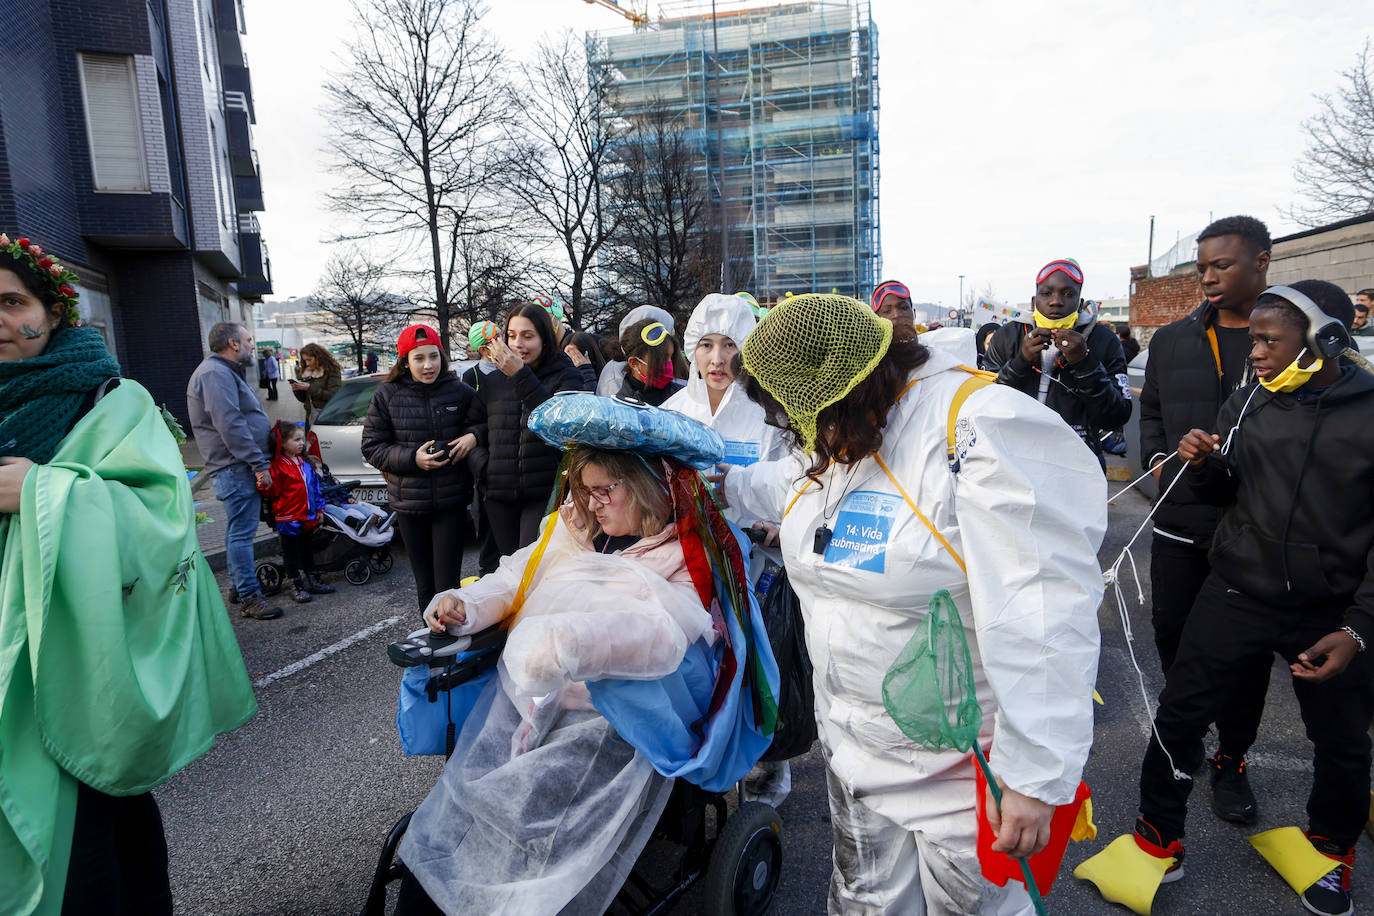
599	494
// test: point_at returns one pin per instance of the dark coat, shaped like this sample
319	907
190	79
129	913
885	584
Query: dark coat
1092	395
632	387
520	467
406	414
1298	491
1182	391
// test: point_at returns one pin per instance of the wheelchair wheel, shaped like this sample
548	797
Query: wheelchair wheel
746	862
358	572
381	562
270	577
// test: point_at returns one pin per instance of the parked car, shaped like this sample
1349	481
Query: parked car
339	426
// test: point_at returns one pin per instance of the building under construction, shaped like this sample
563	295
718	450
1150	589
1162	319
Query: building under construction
790	92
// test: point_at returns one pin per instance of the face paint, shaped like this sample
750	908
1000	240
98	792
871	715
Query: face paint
1068	321
1293	376
31	333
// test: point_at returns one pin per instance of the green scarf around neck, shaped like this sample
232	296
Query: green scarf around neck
40	397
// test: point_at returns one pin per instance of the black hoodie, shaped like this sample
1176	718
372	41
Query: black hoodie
1298	491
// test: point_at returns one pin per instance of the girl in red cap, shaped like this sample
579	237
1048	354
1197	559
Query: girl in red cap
417	433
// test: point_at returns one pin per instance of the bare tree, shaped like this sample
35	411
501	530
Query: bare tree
1336	171
351	291
416	118
560	147
661	252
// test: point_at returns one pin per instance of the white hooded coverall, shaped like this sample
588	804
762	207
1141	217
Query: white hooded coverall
1026	511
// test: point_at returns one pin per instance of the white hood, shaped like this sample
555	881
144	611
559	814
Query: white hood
718	314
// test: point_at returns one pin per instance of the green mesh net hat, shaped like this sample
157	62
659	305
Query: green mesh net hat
810	351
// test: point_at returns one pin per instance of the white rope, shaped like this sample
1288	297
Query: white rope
1112	579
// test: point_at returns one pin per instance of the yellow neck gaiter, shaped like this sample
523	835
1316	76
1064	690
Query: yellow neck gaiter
1293	376
1068	321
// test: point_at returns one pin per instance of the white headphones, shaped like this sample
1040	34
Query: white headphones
1326	337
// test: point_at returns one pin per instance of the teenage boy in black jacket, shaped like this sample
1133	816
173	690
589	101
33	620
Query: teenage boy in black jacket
1292	461
1066	360
1195	364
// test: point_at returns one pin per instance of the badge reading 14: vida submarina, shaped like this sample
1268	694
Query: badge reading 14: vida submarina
862	531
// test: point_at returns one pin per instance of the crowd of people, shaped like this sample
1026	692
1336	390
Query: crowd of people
894	468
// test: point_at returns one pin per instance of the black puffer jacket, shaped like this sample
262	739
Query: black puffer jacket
520	467
1092	395
632	387
406	414
1298	492
1182	392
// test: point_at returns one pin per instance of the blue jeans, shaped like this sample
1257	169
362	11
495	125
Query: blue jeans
237	487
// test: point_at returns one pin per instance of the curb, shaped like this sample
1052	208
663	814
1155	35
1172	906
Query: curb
264	546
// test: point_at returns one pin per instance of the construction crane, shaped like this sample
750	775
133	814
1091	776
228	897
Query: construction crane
639	17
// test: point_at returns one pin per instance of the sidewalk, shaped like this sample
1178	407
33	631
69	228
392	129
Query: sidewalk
211	533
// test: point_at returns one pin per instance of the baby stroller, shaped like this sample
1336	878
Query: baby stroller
353	537
738	855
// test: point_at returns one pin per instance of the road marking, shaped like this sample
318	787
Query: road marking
365	633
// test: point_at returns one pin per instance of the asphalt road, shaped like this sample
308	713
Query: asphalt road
286	815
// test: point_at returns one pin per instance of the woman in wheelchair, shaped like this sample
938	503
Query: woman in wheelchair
543	806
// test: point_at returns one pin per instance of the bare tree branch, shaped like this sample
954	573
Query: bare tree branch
351	291
1336	171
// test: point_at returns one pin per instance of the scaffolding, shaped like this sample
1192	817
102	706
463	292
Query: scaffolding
792	93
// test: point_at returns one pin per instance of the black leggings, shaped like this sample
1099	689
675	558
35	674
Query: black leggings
515	524
297	553
119	857
434	542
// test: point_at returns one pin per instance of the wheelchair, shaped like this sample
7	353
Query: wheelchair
738	856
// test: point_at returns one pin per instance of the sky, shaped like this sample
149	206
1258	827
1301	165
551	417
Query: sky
1012	133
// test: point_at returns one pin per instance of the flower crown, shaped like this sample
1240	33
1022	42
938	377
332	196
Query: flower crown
43	265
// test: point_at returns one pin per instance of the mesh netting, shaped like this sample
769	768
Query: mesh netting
929	689
812	350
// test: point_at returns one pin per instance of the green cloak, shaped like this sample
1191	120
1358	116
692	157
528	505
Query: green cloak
118	664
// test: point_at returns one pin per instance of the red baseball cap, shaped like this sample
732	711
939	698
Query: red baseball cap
417	335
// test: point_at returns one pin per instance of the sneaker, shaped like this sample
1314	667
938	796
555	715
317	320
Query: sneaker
1232	799
256	607
1330	896
317	586
1148	839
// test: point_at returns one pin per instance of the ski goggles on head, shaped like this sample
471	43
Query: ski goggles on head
890	288
1068	265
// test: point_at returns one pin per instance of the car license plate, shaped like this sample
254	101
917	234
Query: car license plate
374	495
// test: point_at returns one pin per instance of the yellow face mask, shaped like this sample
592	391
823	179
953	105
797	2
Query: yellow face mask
1293	376
1068	321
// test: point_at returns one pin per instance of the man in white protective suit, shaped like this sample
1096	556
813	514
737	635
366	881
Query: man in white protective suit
919	476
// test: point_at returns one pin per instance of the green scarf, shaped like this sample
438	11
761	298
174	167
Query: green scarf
118	664
39	397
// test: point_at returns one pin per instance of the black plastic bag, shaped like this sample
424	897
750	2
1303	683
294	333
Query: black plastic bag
782	617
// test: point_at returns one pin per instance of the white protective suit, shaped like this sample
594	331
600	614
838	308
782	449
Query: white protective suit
738	420
543	808
1026	510
613	373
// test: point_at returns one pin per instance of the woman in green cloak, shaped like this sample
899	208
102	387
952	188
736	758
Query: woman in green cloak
118	665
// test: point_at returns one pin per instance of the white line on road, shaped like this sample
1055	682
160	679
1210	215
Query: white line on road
327	651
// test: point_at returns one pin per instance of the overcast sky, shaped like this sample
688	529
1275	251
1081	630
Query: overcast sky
1012	133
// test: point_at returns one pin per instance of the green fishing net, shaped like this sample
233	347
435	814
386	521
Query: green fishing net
929	689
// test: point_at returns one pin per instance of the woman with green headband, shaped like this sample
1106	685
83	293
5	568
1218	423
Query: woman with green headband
917	477
118	665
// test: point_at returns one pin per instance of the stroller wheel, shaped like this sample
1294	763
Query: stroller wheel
746	862
270	577
381	562
357	572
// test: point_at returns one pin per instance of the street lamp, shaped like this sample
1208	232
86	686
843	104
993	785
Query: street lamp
961	300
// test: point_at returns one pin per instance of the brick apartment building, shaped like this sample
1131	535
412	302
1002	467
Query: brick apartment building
1342	253
125	149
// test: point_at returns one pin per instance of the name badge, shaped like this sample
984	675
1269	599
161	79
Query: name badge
862	530
741	454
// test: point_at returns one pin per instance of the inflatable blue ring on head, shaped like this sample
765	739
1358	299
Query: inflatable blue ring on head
618	424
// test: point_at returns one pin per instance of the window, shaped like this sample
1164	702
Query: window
113	125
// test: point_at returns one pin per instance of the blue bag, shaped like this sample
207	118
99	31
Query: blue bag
422	725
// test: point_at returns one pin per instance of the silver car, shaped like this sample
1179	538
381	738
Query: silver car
339	427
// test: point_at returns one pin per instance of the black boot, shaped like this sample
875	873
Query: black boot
316	585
